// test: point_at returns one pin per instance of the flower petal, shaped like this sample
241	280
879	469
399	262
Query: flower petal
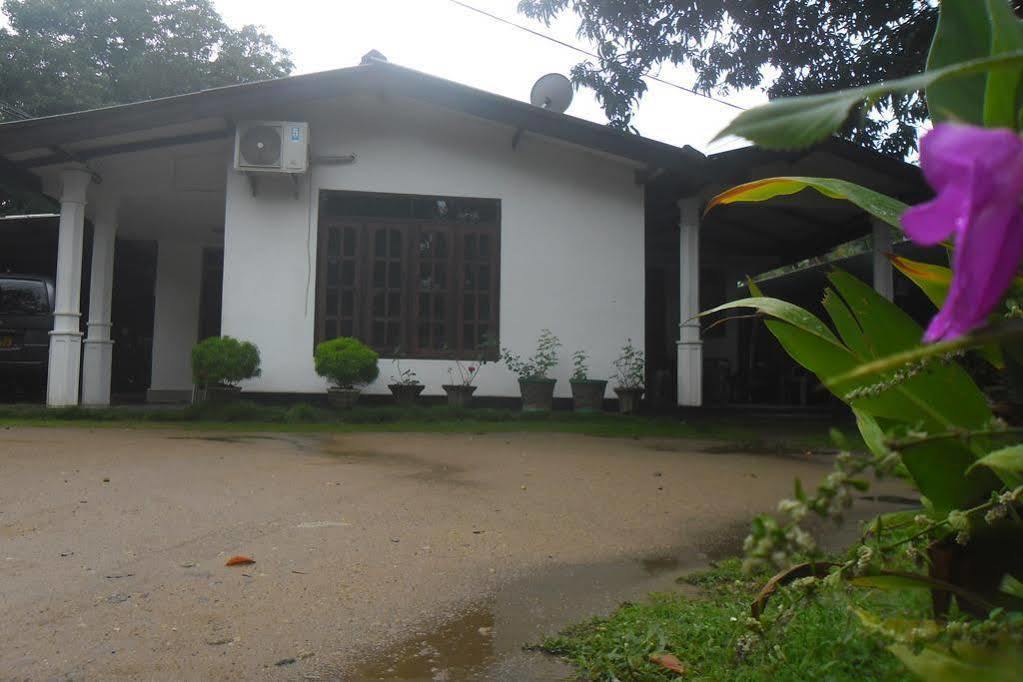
948	150
930	223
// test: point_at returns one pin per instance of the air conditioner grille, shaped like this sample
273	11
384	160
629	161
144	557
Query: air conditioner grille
261	146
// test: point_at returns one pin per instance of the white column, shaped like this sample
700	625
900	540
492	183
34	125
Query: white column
98	356
175	319
690	347
66	337
882	266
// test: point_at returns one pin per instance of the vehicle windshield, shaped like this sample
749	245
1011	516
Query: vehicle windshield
23	297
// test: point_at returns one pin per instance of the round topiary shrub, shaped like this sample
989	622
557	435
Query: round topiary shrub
224	361
346	362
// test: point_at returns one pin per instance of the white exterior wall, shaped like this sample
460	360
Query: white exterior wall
572	245
176	317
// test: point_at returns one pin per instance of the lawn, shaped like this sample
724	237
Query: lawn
706	632
757	435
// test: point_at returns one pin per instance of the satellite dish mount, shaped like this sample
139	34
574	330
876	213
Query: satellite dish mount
552	92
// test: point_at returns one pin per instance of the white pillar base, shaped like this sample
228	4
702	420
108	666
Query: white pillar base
690	374
65	362
96	363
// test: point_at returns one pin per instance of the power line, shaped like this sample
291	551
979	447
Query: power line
580	50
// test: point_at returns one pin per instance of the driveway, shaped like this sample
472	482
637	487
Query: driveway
401	556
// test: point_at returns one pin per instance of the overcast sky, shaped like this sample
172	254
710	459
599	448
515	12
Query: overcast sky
443	39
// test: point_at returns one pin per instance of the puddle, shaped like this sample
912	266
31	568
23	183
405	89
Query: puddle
485	642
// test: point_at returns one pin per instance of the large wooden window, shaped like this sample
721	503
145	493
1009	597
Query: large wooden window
410	276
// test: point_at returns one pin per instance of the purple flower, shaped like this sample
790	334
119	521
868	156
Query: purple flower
978	176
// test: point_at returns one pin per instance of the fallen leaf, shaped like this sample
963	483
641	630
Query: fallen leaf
668	661
239	561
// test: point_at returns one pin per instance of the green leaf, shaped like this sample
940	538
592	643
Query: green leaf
1011	586
962	34
1009	330
968	663
798	122
872	433
1002	92
1006	462
876	204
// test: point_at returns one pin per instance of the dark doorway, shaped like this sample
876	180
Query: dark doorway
132	317
211	292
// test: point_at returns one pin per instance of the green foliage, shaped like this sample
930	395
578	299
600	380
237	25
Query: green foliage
224	360
630	367
71	55
346	362
799	122
787	48
962	34
874	203
541	363
710	633
935	396
580	370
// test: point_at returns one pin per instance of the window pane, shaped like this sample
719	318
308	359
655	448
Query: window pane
469	307
483	284
470	245
331	272
381	243
484	303
347	303
331	302
330	328
380	274
346	328
470	278
438	336
394	275
438	307
348	274
469	337
394	304
333	242
349	242
424	335
379	338
441	247
392	334
424	305
440	276
395	243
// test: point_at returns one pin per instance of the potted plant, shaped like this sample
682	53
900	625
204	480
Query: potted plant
536	387
587	393
348	364
630	373
460	393
406	387
219	363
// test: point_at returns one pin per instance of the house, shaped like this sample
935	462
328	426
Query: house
431	215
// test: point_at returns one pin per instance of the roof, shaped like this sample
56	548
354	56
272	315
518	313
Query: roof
373	75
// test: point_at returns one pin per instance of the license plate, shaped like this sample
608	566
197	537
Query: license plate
6	342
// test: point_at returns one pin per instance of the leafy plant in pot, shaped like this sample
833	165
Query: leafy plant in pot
405	387
629	377
536	387
219	363
460	394
348	364
587	393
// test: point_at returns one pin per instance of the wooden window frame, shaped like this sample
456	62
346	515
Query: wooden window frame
411	228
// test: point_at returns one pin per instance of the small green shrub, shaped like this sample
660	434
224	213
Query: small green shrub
346	362
224	360
543	361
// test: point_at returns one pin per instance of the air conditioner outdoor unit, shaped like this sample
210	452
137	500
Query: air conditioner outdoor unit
271	147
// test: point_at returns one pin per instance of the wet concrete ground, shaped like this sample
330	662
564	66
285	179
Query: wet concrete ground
381	556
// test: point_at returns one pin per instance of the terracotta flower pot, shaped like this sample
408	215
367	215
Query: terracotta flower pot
537	394
406	394
459	395
342	398
628	399
588	395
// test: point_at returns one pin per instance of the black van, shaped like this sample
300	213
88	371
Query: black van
26	318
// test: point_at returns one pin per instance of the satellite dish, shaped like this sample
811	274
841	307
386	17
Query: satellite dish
552	92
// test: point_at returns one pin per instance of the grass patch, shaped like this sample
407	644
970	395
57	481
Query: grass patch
823	641
767	435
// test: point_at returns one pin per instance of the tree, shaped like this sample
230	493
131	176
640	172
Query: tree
788	47
69	55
